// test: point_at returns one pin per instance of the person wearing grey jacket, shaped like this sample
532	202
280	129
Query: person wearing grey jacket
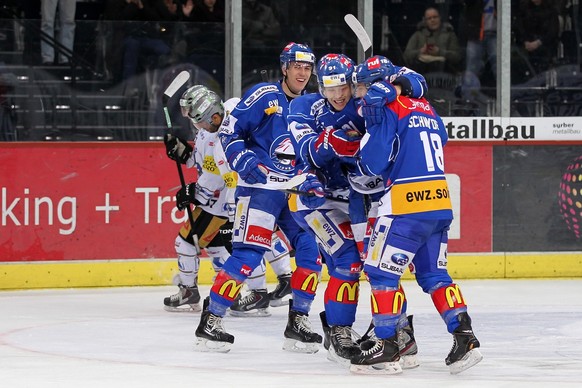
434	47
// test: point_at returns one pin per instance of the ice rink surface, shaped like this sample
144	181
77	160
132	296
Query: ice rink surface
530	333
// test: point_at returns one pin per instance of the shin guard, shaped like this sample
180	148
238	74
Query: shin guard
341	300
304	285
386	306
225	290
449	302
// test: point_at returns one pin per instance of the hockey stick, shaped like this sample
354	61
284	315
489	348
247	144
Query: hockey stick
361	34
293	182
289	187
310	194
174	86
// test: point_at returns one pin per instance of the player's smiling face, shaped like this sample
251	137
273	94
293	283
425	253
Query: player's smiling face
298	74
338	96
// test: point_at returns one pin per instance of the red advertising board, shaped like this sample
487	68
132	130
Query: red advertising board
108	201
70	201
473	165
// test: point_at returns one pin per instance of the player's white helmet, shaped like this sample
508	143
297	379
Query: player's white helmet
199	104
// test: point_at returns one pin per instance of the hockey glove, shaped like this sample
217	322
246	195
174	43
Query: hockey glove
333	143
379	94
411	85
185	196
315	196
177	149
247	165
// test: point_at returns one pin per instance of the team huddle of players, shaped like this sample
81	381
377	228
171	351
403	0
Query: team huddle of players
353	177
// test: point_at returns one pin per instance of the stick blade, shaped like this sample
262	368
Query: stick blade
359	30
295	181
177	83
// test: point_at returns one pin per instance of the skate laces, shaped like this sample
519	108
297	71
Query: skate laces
180	295
214	323
343	335
250	297
280	287
283	286
303	324
374	349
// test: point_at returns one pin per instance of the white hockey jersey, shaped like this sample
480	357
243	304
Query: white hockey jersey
215	180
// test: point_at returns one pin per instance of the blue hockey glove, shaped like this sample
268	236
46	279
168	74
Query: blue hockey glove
316	196
247	165
177	149
411	84
373	103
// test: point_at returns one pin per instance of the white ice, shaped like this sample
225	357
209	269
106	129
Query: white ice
530	333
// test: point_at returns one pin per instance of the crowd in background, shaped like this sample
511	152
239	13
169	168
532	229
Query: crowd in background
453	42
430	35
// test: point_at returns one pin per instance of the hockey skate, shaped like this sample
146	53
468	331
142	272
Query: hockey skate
377	357
464	353
338	341
210	333
185	300
253	304
407	346
282	293
299	337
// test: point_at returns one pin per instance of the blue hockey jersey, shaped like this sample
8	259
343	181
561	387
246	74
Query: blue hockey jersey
309	115
406	149
259	123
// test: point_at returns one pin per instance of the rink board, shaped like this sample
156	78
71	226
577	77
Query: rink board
160	272
103	214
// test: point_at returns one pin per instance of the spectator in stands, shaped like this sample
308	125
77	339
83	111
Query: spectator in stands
210	11
537	32
202	37
434	46
146	30
66	29
210	35
479	22
260	27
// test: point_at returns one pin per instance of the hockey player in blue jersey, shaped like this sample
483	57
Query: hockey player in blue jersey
258	147
322	125
404	144
389	81
326	127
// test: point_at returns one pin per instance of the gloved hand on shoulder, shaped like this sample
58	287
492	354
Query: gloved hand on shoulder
373	103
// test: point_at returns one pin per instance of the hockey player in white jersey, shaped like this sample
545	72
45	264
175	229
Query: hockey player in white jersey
213	195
